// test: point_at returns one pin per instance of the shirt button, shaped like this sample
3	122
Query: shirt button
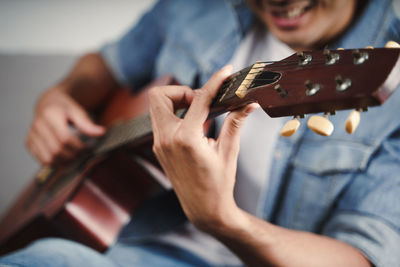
277	154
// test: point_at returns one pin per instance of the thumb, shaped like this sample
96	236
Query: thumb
229	138
83	123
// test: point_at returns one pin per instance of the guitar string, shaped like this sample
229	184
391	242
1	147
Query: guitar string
115	139
286	65
289	64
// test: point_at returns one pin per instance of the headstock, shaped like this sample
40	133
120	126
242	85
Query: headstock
314	82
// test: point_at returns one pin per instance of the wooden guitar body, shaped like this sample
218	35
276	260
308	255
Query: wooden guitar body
89	200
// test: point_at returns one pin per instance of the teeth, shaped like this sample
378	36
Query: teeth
294	13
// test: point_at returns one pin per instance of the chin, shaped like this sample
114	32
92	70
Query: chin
305	24
297	39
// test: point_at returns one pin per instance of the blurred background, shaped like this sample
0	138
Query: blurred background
39	42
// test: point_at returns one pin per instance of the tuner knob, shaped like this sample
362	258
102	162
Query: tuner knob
330	58
342	84
290	127
304	59
340	48
369	47
312	89
320	125
392	44
352	122
360	57
282	93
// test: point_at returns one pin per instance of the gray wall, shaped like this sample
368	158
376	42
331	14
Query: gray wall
40	40
54	26
22	79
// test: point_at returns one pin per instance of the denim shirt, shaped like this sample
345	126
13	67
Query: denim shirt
344	186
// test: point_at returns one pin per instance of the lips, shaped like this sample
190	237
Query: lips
288	14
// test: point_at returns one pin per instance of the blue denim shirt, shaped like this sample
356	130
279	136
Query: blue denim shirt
345	186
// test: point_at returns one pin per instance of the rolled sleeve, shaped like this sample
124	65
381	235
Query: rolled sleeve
367	215
377	240
132	58
110	53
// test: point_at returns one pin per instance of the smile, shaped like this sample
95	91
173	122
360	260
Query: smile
288	14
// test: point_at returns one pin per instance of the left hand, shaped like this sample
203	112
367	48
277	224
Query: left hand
202	170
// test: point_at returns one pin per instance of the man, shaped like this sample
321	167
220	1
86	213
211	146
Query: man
314	209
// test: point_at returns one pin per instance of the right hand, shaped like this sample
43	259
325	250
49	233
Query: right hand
50	138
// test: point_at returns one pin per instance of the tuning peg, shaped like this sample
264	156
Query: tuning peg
392	44
369	47
320	125
290	127
352	121
340	48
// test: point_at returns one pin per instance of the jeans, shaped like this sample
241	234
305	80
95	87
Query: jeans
56	252
133	248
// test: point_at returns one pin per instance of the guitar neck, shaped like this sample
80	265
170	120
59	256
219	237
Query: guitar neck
139	129
306	82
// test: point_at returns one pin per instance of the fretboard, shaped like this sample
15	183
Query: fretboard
139	128
124	133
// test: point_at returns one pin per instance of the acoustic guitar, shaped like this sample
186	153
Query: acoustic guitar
90	199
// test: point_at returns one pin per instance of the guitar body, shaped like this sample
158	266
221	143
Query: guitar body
88	200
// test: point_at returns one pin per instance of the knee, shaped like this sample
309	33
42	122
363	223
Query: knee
47	252
53	244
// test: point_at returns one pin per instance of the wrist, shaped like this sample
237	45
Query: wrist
244	227
225	222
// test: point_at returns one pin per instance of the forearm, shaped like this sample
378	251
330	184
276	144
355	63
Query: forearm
90	82
259	243
202	172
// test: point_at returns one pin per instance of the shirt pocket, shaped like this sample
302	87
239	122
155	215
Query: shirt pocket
319	172
332	156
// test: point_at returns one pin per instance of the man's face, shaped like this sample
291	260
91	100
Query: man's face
305	24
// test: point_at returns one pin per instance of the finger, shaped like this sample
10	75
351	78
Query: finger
229	138
83	123
58	124
200	107
66	154
43	143
163	101
34	152
58	148
29	145
40	128
40	150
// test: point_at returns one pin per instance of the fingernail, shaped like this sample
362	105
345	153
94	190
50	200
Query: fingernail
99	129
251	107
227	69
